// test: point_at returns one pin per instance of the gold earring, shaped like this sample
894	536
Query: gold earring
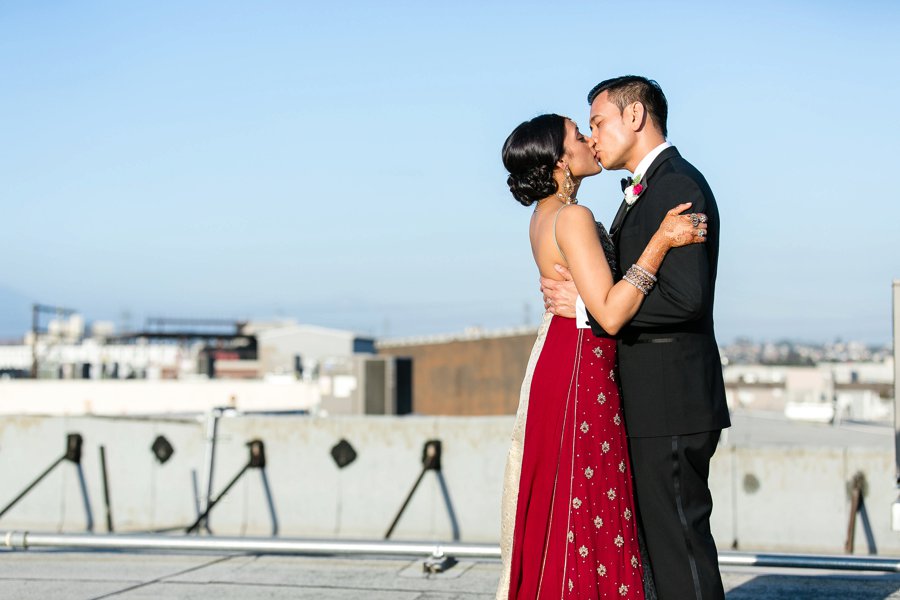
568	188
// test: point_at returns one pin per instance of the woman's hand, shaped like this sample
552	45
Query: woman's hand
679	229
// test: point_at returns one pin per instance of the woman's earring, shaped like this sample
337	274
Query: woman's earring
568	188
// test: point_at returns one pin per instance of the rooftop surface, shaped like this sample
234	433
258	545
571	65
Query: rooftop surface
83	575
758	428
52	575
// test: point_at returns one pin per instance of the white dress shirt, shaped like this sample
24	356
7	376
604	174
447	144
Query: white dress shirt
580	309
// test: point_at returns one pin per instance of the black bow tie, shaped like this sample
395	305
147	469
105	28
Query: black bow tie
626	181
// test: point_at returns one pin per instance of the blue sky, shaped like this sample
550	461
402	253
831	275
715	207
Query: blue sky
339	163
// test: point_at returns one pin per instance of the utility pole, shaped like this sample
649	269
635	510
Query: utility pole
895	509
896	312
35	312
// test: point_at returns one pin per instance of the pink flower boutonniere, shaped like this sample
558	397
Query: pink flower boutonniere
633	191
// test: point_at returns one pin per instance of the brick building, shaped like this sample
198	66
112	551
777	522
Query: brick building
474	373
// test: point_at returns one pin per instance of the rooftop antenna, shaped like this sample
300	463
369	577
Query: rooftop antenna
36	311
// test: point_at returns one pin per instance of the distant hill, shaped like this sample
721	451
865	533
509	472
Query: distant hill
15	313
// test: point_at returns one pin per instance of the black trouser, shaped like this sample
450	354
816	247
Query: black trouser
671	476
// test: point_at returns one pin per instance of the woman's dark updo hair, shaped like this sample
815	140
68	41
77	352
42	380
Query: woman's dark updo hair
530	154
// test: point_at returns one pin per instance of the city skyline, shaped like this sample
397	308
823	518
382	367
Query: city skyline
14	330
340	165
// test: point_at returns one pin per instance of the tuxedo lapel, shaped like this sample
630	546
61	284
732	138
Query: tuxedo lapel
617	222
665	155
621	216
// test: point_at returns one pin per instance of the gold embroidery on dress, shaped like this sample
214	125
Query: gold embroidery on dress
571	393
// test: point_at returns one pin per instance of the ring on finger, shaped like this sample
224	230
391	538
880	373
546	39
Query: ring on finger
701	233
703	218
695	219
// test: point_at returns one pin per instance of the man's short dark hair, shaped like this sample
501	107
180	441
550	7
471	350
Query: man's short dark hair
629	89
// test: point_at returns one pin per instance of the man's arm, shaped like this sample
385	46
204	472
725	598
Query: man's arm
683	290
561	297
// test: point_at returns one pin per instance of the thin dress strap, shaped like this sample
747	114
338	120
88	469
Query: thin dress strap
555	241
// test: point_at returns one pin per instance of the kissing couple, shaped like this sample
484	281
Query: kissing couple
606	490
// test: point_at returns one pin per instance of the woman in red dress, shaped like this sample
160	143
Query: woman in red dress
568	522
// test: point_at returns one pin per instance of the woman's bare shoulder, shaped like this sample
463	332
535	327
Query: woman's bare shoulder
575	215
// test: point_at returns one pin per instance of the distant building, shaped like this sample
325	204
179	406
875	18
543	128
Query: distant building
473	373
284	366
242	350
288	347
824	392
480	373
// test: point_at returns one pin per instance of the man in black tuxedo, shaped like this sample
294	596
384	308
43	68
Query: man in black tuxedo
669	365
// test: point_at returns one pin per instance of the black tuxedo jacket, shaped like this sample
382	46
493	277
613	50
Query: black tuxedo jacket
669	365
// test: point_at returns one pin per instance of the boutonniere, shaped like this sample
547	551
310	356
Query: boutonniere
634	191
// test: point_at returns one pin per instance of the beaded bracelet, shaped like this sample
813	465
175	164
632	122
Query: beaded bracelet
640	278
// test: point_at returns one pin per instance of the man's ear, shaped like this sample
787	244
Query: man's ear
635	116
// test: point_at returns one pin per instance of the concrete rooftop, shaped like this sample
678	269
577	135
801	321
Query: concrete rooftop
52	575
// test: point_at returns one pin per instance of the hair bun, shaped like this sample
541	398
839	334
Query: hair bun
530	154
530	186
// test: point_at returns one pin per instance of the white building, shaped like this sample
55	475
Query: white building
283	366
288	347
825	392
